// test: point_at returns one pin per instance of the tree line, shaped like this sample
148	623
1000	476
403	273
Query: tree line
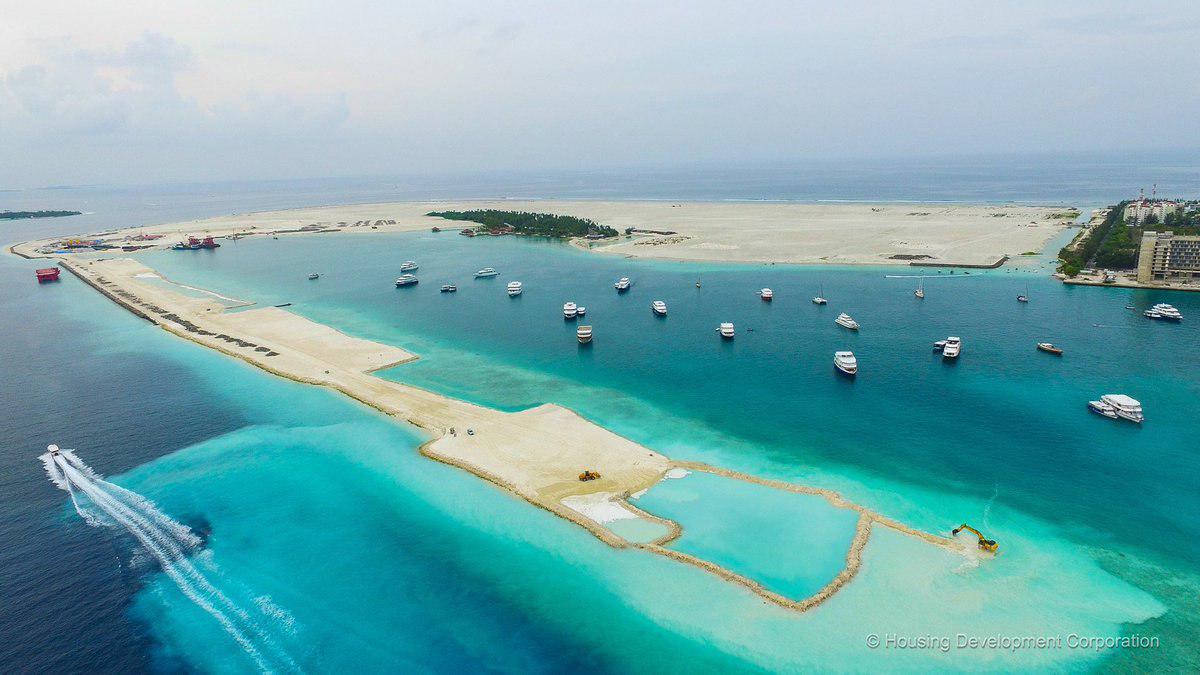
527	222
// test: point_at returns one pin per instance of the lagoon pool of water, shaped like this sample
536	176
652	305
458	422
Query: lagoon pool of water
794	544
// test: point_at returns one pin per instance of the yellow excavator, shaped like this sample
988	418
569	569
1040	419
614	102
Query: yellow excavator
985	544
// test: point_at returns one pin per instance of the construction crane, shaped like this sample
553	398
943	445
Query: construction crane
985	544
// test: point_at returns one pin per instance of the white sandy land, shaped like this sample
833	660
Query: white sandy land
537	453
599	506
706	231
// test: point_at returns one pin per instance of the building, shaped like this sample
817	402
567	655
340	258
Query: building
1166	257
1137	212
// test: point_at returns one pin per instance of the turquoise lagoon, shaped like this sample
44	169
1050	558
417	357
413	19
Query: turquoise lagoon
366	555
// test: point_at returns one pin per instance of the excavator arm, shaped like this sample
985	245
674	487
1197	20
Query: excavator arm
985	544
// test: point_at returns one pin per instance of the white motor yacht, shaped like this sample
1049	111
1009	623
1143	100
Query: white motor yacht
583	334
845	321
449	288
570	311
1167	312
514	289
920	292
846	362
408	266
659	307
726	330
1125	407
939	345
581	310
952	348
486	272
406	280
766	294
314	276
622	284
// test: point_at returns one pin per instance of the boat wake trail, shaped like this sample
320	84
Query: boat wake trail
987	510
104	504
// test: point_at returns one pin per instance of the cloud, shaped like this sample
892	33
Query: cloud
121	111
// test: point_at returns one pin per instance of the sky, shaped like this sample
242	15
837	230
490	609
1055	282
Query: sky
149	91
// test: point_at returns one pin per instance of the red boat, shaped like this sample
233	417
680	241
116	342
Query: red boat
47	274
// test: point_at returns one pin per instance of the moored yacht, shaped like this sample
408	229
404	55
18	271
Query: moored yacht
570	310
659	307
819	300
845	321
920	292
766	294
622	284
952	348
314	276
1165	311
1125	407
1049	348
408	266
406	280
1102	408
449	288
486	272
846	362
726	330
581	310
583	334
514	289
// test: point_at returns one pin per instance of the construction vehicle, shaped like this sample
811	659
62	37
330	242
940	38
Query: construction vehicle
985	544
589	475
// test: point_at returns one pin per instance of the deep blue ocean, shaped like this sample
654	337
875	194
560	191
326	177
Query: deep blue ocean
319	516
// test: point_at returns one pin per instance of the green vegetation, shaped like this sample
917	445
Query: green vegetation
20	215
1030	253
1076	256
525	222
1063	215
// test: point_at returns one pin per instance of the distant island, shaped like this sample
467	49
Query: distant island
21	215
526	222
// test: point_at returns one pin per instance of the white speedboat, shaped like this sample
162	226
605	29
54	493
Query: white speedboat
581	310
314	276
845	321
406	280
583	334
819	300
486	272
766	294
1125	407
408	266
659	307
845	362
514	289
952	348
449	288
726	330
939	345
570	311
622	284
1102	408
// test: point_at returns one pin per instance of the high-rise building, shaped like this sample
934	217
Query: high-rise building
1163	256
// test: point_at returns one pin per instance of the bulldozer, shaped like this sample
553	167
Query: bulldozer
589	475
985	544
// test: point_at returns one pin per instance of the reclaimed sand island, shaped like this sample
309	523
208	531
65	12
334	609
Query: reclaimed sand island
536	454
755	232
